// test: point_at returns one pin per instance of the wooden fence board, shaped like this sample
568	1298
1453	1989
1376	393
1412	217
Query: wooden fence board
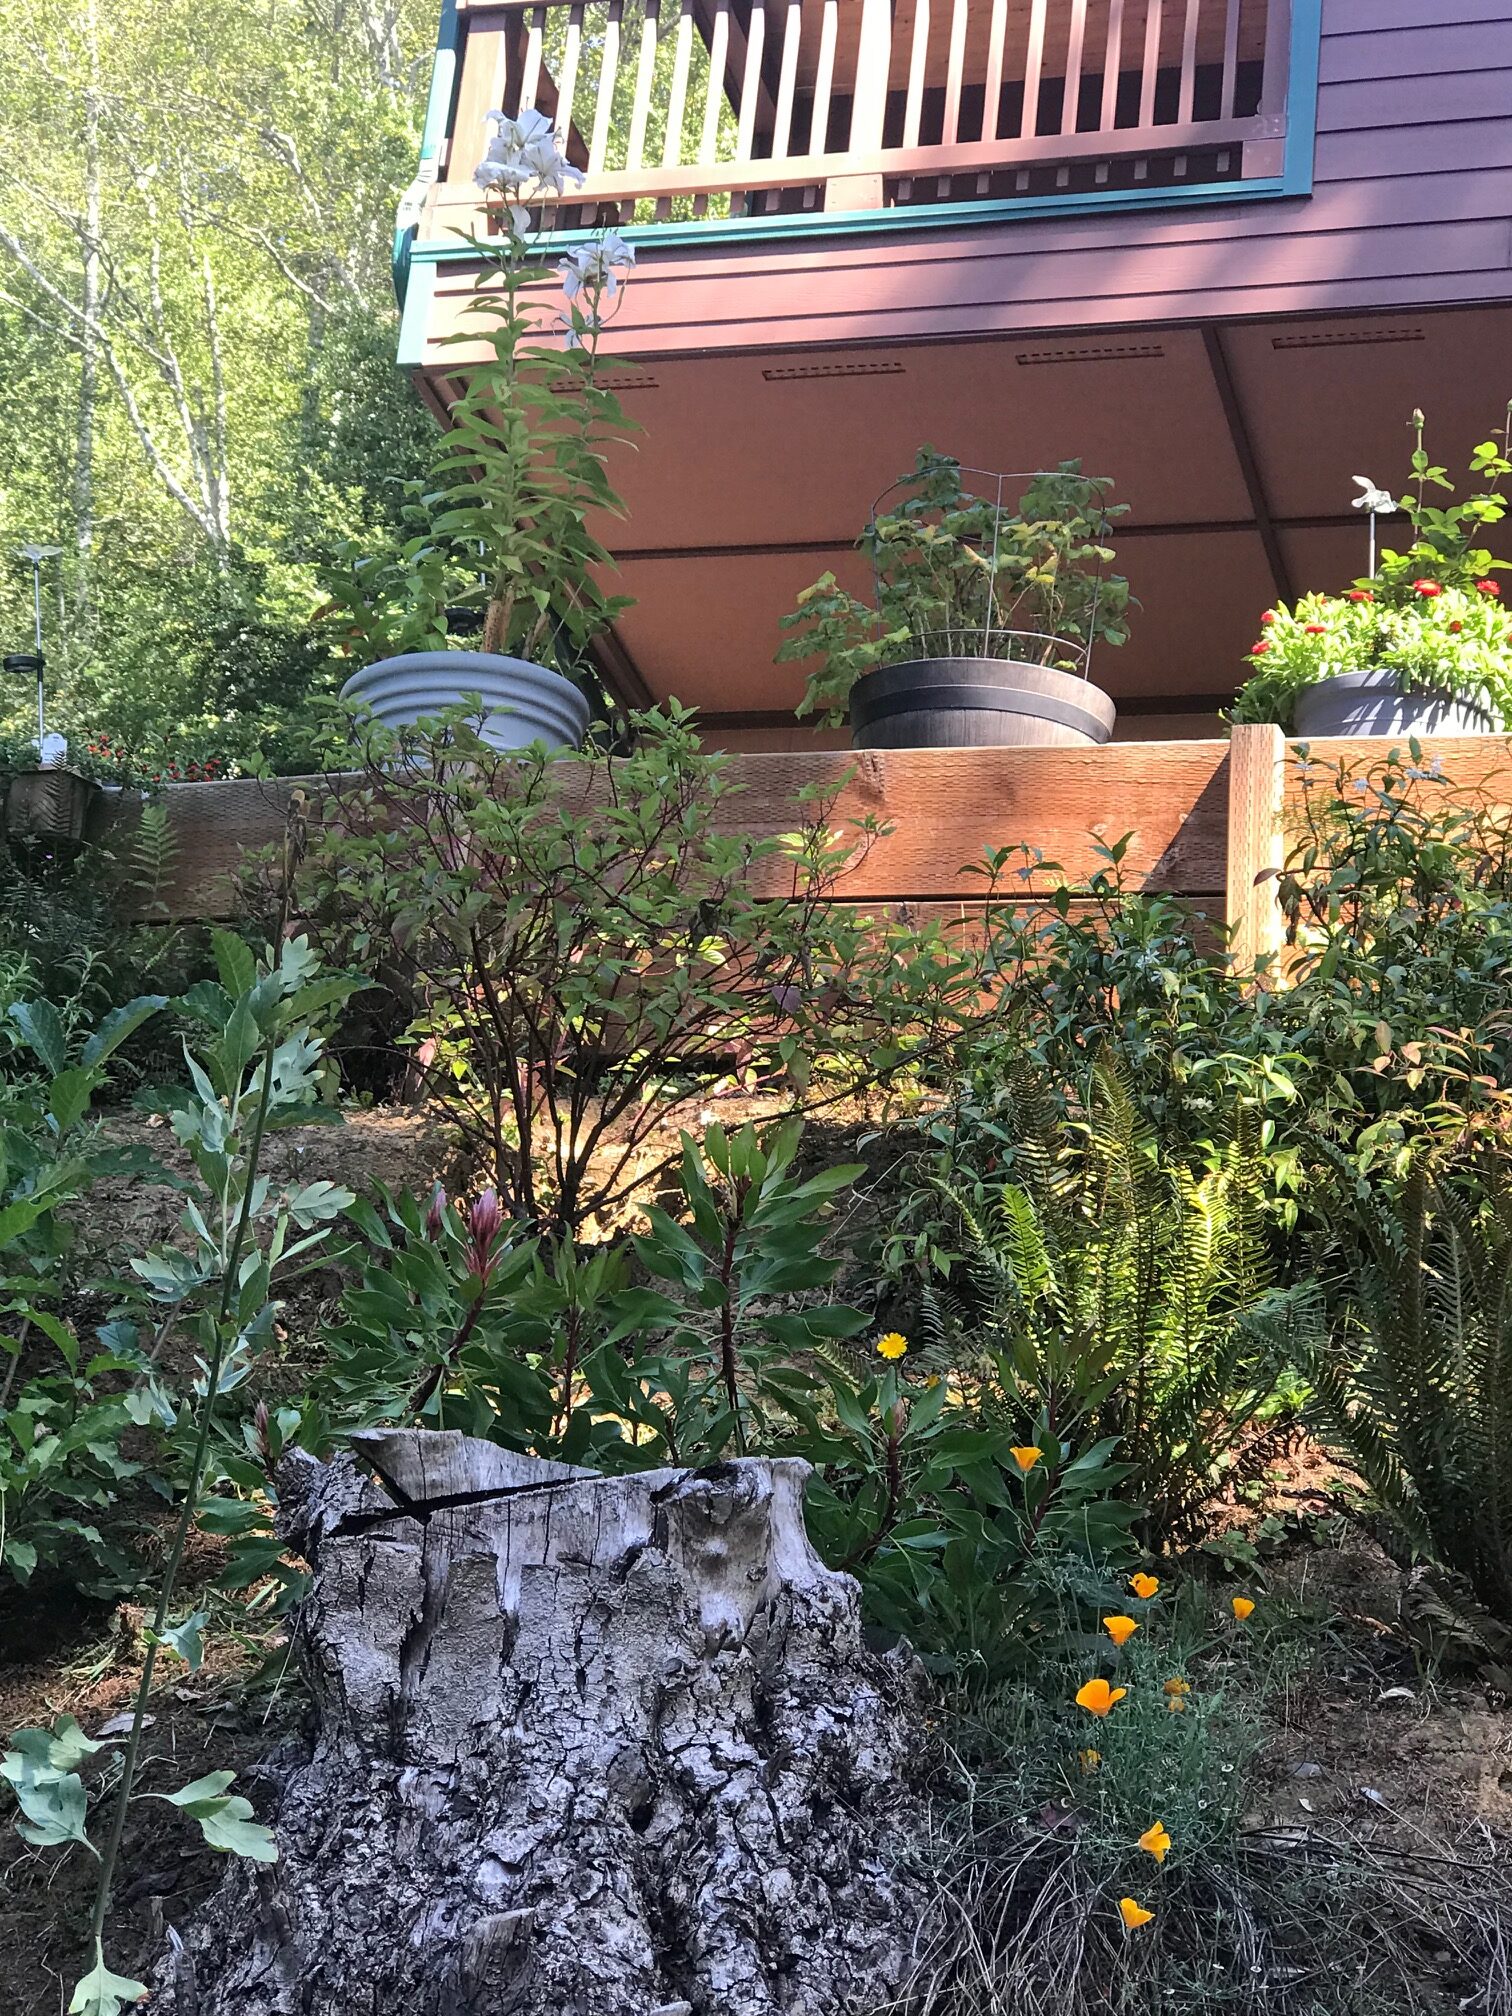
1202	821
944	807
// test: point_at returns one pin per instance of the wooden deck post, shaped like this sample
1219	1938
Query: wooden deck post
1256	844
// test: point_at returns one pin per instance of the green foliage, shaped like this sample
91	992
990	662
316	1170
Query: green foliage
65	1409
199	328
1431	615
960	575
1398	893
1417	1380
1133	1290
580	948
501	522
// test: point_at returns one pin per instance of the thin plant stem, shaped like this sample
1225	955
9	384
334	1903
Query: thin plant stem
111	1851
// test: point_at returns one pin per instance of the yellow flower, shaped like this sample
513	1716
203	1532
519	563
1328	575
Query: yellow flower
1026	1458
1155	1841
1089	1761
1176	1706
1144	1586
1098	1698
1176	1685
892	1345
1120	1629
1241	1607
1134	1915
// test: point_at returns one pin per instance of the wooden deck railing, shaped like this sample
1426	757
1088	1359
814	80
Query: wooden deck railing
704	108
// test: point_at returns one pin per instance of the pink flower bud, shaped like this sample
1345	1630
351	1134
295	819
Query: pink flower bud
485	1221
435	1218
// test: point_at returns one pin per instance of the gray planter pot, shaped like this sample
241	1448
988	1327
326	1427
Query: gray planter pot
523	703
976	703
1372	703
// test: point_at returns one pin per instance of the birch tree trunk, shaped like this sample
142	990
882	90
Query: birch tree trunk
584	1746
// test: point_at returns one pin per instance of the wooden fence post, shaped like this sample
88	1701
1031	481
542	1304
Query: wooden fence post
1256	843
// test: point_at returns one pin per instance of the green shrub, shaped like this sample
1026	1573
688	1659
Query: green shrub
578	949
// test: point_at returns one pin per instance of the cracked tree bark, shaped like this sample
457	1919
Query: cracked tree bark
584	1746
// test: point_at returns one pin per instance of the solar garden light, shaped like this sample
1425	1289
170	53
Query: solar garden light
32	661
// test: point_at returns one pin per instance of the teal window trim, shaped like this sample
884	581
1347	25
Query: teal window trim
1295	179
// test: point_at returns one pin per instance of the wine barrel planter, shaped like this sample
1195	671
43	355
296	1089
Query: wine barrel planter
522	703
977	703
1374	703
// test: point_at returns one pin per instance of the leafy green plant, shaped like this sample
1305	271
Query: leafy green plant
502	521
1138	1285
1398	894
1416	1379
1431	615
962	575
256	1063
581	946
65	1408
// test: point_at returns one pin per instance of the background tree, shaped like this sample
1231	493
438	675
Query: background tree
199	322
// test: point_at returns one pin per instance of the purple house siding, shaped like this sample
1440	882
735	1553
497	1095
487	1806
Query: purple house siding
1232	364
1411	205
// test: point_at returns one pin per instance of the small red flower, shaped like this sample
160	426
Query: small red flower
1427	589
1489	587
1360	595
1315	629
1267	617
1259	649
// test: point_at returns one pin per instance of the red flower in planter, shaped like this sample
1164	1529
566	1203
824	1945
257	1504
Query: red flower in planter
1489	587
1427	589
1315	629
1259	649
1267	617
1456	625
1360	595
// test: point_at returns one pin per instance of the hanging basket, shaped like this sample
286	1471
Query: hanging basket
49	805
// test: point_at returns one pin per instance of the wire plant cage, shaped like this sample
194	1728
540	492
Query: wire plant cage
980	563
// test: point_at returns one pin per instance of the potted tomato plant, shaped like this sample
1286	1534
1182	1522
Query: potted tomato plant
989	599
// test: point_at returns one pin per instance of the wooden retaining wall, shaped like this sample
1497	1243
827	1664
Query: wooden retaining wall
1206	820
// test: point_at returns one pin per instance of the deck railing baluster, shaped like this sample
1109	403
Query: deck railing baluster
677	97
779	72
1076	39
1154	21
1188	93
787	82
645	76
1112	62
719	56
598	146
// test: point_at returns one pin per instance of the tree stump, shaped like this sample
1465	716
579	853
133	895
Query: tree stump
584	1746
